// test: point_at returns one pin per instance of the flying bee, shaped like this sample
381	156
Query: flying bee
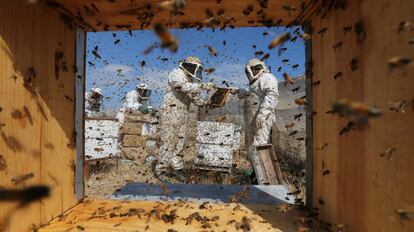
173	5
288	79
95	53
209	70
167	39
294	67
212	51
142	64
258	53
265	57
117	41
295	90
300	101
289	125
297	116
304	36
279	40
285	60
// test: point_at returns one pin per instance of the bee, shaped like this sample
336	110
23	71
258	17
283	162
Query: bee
173	5
322	147
322	30
337	75
212	51
295	90
404	26
337	45
411	41
265	57
398	62
95	53
91	64
293	133
305	36
294	67
209	70
398	106
117	41
360	32
258	53
142	64
285	60
284	207
22	178
389	153
293	39
326	172
167	39
297	116
404	215
354	64
220	12
3	163
316	83
289	126
164	189
99	149
347	29
279	40
279	69
300	101
288	79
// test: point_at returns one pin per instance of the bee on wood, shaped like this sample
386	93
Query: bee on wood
167	39
337	75
326	172
404	26
322	147
398	106
22	178
360	32
404	215
398	62
279	40
300	101
347	29
316	83
337	45
322	30
354	64
389	153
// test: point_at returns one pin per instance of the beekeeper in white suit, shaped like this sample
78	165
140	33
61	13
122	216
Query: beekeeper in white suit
136	100
184	88
265	86
93	101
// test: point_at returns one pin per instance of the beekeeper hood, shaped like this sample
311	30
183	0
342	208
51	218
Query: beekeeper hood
254	69
193	68
96	93
143	91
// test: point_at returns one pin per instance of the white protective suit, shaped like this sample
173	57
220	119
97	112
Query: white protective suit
133	101
93	101
183	89
265	85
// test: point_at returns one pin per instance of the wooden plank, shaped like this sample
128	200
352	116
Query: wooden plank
122	14
20	135
104	215
39	118
264	156
353	184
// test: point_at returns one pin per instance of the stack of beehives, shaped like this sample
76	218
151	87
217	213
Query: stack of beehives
137	135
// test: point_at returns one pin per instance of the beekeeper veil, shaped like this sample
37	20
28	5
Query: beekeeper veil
193	68
143	91
254	68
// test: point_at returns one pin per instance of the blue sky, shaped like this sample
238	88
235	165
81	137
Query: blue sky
229	64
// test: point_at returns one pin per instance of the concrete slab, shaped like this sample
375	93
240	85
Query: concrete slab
257	194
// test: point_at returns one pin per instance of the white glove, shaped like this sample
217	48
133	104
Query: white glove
208	86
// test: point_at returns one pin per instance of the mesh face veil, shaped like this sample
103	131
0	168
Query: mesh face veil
143	91
254	68
193	67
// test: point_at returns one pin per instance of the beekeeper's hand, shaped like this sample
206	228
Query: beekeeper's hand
208	86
